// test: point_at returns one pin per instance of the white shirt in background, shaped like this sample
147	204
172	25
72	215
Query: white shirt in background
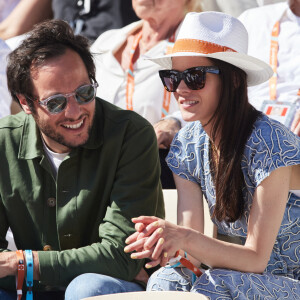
259	23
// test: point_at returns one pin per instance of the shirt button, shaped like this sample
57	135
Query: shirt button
51	202
47	248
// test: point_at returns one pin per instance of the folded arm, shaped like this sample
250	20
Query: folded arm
266	215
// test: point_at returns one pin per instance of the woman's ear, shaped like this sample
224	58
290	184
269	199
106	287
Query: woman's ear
23	103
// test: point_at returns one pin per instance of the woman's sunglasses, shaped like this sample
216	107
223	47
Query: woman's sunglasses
194	77
83	95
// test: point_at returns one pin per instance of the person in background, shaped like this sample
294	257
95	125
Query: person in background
276	29
74	170
89	18
21	17
234	7
131	82
5	98
243	163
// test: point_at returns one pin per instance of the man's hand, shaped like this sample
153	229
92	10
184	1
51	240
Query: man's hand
165	131
8	264
296	123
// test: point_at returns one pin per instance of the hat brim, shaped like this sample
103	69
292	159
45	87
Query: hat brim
257	71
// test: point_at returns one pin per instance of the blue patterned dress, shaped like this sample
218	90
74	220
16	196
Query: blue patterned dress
270	146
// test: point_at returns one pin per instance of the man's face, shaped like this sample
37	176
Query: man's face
69	128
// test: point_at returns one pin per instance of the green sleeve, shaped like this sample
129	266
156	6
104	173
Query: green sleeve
136	191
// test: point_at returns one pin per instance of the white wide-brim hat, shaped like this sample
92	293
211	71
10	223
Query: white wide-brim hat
217	35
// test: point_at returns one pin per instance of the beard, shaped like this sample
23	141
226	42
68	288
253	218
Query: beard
51	132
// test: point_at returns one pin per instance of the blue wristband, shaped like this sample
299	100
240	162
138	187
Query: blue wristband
29	274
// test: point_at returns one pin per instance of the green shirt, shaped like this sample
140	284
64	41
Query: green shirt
99	187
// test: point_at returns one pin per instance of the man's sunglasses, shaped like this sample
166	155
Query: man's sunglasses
83	95
194	77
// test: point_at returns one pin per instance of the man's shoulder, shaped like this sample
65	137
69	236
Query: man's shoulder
12	121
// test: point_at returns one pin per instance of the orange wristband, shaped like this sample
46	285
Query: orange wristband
21	273
186	263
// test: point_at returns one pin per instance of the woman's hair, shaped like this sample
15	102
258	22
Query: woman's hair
232	122
47	40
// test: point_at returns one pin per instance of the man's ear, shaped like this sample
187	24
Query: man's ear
24	103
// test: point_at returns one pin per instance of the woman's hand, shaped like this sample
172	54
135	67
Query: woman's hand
156	239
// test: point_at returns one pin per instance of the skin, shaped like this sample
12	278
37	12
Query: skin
197	104
158	239
295	6
64	75
25	15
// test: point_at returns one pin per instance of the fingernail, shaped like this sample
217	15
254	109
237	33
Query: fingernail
161	241
133	256
126	241
160	230
166	254
155	224
126	249
148	266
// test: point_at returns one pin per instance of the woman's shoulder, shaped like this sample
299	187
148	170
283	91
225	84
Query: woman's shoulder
268	130
191	131
271	145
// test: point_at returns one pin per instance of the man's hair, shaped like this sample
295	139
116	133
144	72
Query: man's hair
47	40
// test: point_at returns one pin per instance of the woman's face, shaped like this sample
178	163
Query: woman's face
147	9
197	105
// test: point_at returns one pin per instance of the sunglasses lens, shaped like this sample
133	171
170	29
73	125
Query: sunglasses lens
169	79
85	94
57	104
195	79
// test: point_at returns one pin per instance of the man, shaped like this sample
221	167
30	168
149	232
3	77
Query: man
74	171
274	36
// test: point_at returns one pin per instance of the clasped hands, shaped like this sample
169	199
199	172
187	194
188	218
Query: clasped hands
155	239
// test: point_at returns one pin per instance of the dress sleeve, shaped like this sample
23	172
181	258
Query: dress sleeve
184	158
270	146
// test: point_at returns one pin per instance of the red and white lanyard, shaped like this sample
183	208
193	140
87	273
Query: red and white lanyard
274	59
130	75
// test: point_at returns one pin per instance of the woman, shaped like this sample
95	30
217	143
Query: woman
126	79
245	164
